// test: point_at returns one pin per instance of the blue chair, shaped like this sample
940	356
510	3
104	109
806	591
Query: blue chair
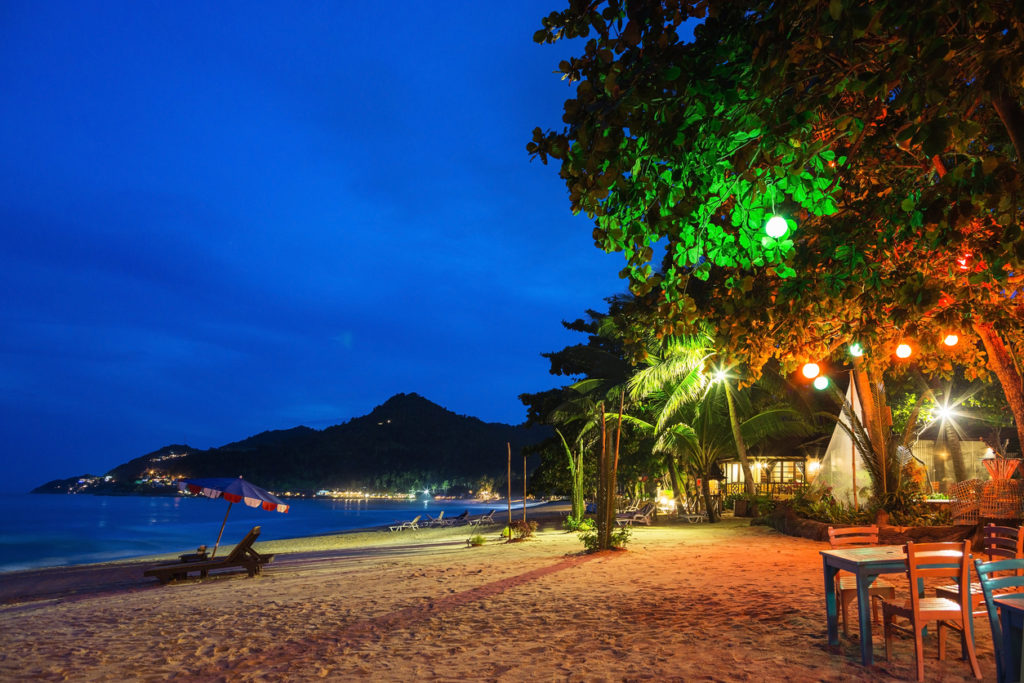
989	585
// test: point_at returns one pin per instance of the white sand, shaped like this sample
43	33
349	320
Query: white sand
724	602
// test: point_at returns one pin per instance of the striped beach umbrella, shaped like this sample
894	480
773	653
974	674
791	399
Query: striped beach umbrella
233	491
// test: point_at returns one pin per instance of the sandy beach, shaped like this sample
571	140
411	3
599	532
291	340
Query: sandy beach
722	602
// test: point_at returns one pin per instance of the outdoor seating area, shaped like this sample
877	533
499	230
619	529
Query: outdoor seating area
926	597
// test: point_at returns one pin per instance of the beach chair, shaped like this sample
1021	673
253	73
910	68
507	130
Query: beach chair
846	586
411	524
483	519
435	521
641	516
242	555
934	560
1010	579
691	512
458	520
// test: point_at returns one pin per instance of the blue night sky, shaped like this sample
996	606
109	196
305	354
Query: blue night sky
221	218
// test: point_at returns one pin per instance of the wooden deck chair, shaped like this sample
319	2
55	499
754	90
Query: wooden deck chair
846	586
435	521
934	560
411	524
998	543
483	519
996	578
242	555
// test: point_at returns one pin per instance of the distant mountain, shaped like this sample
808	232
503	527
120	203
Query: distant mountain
408	442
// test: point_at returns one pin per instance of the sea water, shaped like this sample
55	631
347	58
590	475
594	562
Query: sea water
49	530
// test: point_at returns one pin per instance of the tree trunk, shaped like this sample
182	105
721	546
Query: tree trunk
1001	364
741	446
956	454
1010	114
603	532
677	483
705	489
872	421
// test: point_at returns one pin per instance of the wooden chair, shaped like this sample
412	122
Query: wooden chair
926	561
846	586
1010	576
242	555
998	542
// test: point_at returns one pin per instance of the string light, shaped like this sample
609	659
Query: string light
951	340
811	370
821	382
776	226
903	351
856	350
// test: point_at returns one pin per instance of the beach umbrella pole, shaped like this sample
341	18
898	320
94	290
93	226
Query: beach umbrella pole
214	553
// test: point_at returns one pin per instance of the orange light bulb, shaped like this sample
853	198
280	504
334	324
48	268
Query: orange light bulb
811	370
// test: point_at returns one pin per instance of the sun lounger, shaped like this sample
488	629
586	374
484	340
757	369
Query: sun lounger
458	520
411	524
243	555
641	516
436	521
483	519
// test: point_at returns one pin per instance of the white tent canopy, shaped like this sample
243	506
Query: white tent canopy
842	466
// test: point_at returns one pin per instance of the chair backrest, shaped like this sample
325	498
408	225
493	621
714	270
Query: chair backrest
1009	576
949	560
1003	542
853	535
243	545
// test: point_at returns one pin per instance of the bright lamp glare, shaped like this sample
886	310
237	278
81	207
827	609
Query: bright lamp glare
720	375
903	351
943	412
951	340
811	370
856	350
821	383
776	226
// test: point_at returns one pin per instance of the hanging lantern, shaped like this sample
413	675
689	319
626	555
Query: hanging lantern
903	351
776	226
821	382
951	340
811	370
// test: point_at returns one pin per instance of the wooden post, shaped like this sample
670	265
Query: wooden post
524	489
853	444
603	532
509	444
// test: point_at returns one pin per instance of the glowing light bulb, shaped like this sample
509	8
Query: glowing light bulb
811	370
821	382
903	351
951	340
776	226
856	350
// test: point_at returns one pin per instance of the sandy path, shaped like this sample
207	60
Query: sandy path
724	602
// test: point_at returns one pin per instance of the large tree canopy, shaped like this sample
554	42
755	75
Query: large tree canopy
889	135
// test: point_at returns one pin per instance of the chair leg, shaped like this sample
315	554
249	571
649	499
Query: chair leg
887	631
968	644
941	635
919	652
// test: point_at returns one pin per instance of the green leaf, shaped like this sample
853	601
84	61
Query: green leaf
835	9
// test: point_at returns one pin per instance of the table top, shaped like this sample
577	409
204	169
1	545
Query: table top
868	553
1011	600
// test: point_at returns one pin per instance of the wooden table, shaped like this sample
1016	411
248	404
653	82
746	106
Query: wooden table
1011	619
866	563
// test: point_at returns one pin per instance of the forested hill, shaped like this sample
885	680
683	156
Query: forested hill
408	442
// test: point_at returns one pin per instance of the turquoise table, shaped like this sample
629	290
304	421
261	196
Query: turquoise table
866	563
1011	620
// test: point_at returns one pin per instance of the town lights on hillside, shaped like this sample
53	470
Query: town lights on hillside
811	370
951	340
821	382
776	226
903	351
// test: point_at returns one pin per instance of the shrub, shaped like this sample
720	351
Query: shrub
476	539
619	538
573	524
519	529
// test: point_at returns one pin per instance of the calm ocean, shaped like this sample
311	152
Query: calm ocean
54	530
